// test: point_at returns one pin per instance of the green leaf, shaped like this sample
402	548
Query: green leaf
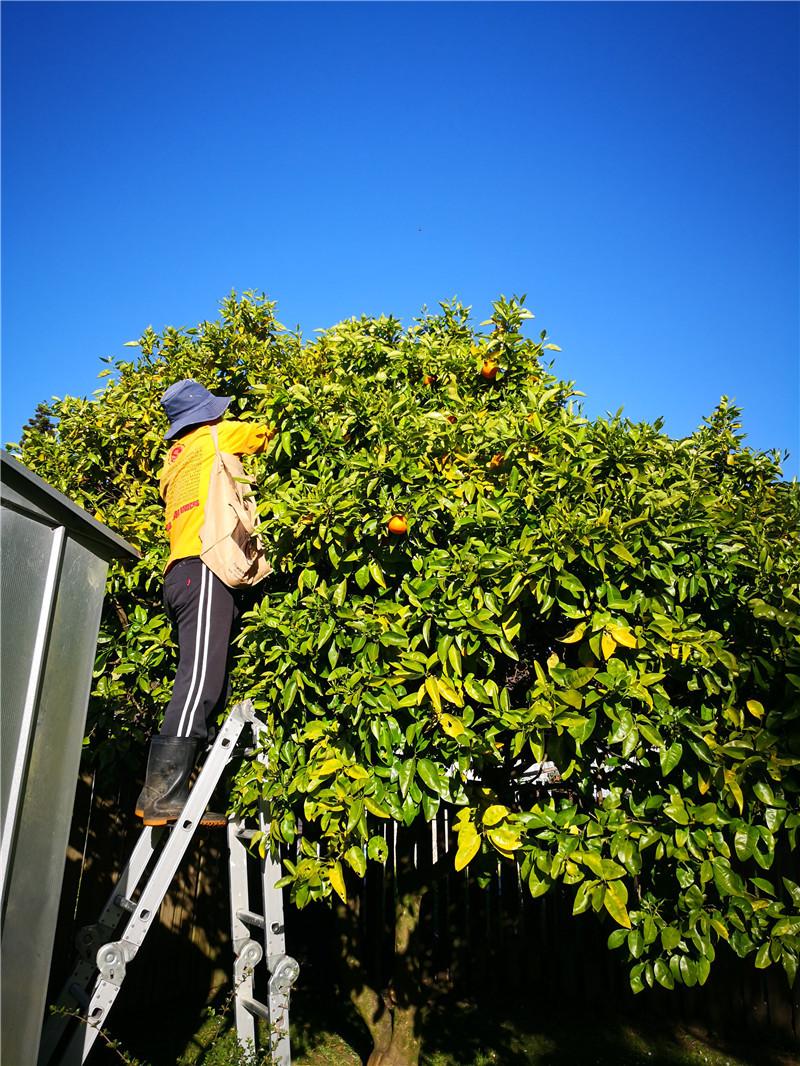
433	777
670	937
637	984
745	841
406	776
663	974
611	870
789	926
671	757
582	900
571	697
677	812
356	860
635	943
591	859
326	629
289	693
705	814
622	552
762	959
378	849
571	583
377	573
688	971
617	938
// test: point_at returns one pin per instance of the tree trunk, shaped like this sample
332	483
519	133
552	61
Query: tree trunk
391	1015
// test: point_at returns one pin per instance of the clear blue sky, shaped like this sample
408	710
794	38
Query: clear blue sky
632	167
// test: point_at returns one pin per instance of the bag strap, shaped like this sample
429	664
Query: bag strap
215	438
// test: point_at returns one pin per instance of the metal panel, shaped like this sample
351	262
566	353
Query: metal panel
23	571
35	881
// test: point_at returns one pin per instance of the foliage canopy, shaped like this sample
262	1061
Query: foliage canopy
591	593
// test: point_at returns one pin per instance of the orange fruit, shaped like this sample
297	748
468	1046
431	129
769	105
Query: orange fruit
496	460
489	370
397	524
429	379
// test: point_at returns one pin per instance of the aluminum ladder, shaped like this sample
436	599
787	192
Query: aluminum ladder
101	966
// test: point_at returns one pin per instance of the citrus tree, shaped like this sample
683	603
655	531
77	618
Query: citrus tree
475	581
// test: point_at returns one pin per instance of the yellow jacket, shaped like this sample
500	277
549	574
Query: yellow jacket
186	473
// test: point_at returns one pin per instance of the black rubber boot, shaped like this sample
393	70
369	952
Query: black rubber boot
166	786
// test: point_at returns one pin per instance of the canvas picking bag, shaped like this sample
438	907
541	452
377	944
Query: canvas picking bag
232	548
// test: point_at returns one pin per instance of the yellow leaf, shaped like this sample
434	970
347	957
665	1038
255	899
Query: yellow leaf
755	708
494	814
703	785
373	808
329	766
614	900
608	644
720	928
623	636
449	692
336	878
504	839
433	691
454	727
575	635
469	845
358	773
735	789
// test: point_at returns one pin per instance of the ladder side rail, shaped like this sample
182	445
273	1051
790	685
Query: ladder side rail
247	952
283	970
90	937
182	832
113	957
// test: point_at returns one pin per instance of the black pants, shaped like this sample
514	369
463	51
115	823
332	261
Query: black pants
204	612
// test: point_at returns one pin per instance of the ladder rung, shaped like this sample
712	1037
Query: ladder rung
125	904
257	1008
245	834
251	918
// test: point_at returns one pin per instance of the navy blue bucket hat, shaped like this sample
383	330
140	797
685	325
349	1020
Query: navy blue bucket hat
189	403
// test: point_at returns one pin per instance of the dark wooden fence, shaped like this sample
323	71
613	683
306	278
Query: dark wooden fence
494	944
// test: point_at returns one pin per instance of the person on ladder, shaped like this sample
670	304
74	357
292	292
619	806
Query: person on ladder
214	552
